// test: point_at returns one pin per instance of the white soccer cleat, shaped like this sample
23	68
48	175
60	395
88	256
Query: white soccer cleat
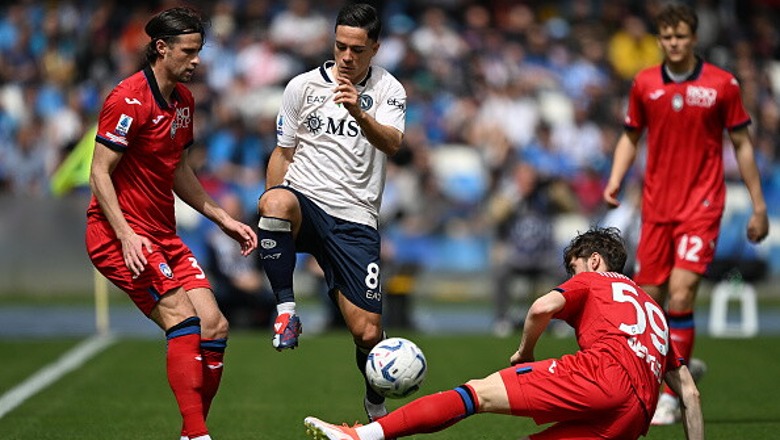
667	412
320	430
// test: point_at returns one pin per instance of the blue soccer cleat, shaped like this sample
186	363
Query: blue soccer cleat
287	328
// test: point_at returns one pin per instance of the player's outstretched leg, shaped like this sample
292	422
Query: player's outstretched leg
426	414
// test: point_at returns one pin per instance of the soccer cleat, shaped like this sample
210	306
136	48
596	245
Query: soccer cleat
374	411
320	430
286	330
667	412
698	369
503	328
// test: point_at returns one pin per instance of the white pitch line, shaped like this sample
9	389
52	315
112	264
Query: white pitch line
52	372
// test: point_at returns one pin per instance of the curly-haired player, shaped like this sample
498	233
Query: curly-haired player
606	390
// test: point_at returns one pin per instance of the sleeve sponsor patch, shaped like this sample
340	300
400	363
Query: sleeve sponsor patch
123	125
121	140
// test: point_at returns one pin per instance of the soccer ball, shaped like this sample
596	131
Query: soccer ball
396	367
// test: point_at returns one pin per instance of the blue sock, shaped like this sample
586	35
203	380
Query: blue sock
361	357
277	252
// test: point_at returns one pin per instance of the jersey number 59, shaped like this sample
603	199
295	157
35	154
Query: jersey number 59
625	293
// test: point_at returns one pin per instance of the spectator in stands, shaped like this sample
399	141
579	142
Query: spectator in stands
633	48
435	37
522	213
25	161
544	155
302	30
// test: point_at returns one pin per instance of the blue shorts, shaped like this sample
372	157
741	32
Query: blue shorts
347	252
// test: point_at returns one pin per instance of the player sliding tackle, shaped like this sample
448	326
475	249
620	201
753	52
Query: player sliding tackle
607	389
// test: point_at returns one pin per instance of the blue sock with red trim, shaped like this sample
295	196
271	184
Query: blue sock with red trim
682	332
213	353
430	413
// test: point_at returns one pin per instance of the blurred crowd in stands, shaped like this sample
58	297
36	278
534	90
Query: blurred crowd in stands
514	107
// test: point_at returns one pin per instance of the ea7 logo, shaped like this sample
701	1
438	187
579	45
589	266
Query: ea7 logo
315	99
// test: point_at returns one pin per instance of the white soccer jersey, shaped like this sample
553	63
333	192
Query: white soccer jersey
334	164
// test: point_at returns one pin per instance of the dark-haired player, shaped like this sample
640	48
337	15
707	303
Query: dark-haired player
336	127
606	390
685	104
139	163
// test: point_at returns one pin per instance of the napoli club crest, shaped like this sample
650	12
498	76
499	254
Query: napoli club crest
677	102
366	102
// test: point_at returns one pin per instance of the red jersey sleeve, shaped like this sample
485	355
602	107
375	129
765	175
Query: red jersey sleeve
575	290
119	120
735	114
673	359
635	114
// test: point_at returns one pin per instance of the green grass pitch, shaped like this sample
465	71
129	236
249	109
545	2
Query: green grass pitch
122	393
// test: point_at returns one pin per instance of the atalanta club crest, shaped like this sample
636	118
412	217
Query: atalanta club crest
677	102
166	270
